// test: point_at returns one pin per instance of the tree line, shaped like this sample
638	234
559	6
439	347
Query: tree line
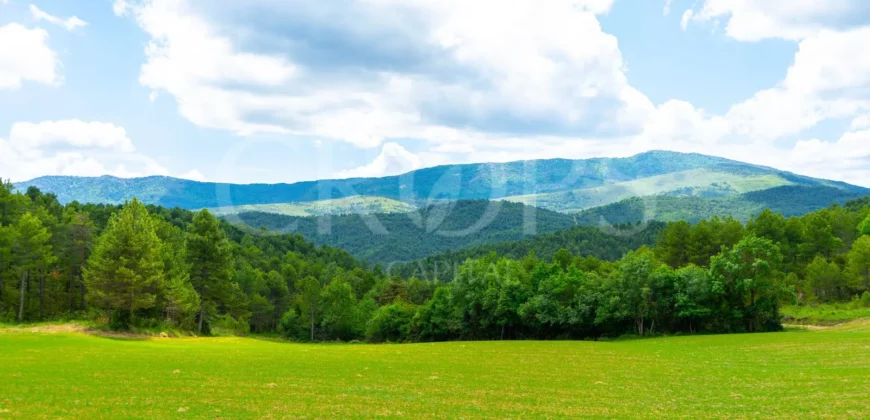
151	267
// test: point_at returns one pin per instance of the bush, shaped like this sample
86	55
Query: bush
290	326
391	322
227	325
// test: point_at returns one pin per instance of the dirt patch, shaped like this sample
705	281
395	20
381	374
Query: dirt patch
857	325
78	328
47	329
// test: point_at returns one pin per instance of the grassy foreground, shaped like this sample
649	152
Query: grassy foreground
792	374
830	314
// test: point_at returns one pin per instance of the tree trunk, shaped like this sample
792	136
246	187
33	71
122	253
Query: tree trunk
312	325
502	331
82	283
21	303
201	315
41	294
72	277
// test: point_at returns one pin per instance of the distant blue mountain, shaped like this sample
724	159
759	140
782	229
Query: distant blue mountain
557	184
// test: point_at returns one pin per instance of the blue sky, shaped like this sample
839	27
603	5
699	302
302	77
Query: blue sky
290	90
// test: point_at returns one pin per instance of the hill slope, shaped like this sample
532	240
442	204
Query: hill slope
389	238
338	206
695	182
581	241
605	180
790	200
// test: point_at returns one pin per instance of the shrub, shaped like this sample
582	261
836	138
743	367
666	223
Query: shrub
391	322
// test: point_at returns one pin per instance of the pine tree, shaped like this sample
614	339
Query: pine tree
308	299
79	243
210	259
31	251
125	271
179	302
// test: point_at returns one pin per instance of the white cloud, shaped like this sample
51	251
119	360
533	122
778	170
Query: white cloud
70	23
860	122
829	79
489	80
536	72
76	133
846	159
193	175
684	21
73	147
666	10
26	56
753	20
393	160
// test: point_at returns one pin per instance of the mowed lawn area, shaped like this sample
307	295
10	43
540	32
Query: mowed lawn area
787	375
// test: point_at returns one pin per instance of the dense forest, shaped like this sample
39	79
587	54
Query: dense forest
790	200
608	244
151	267
388	238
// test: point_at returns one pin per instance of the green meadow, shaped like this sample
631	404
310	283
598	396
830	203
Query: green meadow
55	373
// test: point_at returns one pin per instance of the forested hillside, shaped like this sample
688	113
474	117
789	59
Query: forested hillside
789	200
555	184
608	244
338	206
390	238
159	266
141	267
468	181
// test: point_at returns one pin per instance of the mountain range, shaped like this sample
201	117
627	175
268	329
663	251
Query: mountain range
560	185
460	208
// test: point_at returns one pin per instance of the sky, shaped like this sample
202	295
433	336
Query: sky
266	91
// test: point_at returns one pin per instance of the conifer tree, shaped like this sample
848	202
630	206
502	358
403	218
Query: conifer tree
210	260
125	271
31	251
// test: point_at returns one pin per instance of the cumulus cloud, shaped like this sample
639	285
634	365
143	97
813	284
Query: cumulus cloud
752	20
26	56
390	69
393	160
829	79
70	23
489	80
76	133
851	152
193	175
74	147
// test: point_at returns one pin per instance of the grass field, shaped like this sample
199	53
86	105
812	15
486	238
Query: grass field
787	375
829	314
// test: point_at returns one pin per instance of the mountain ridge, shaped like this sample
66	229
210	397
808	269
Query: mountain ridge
546	178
